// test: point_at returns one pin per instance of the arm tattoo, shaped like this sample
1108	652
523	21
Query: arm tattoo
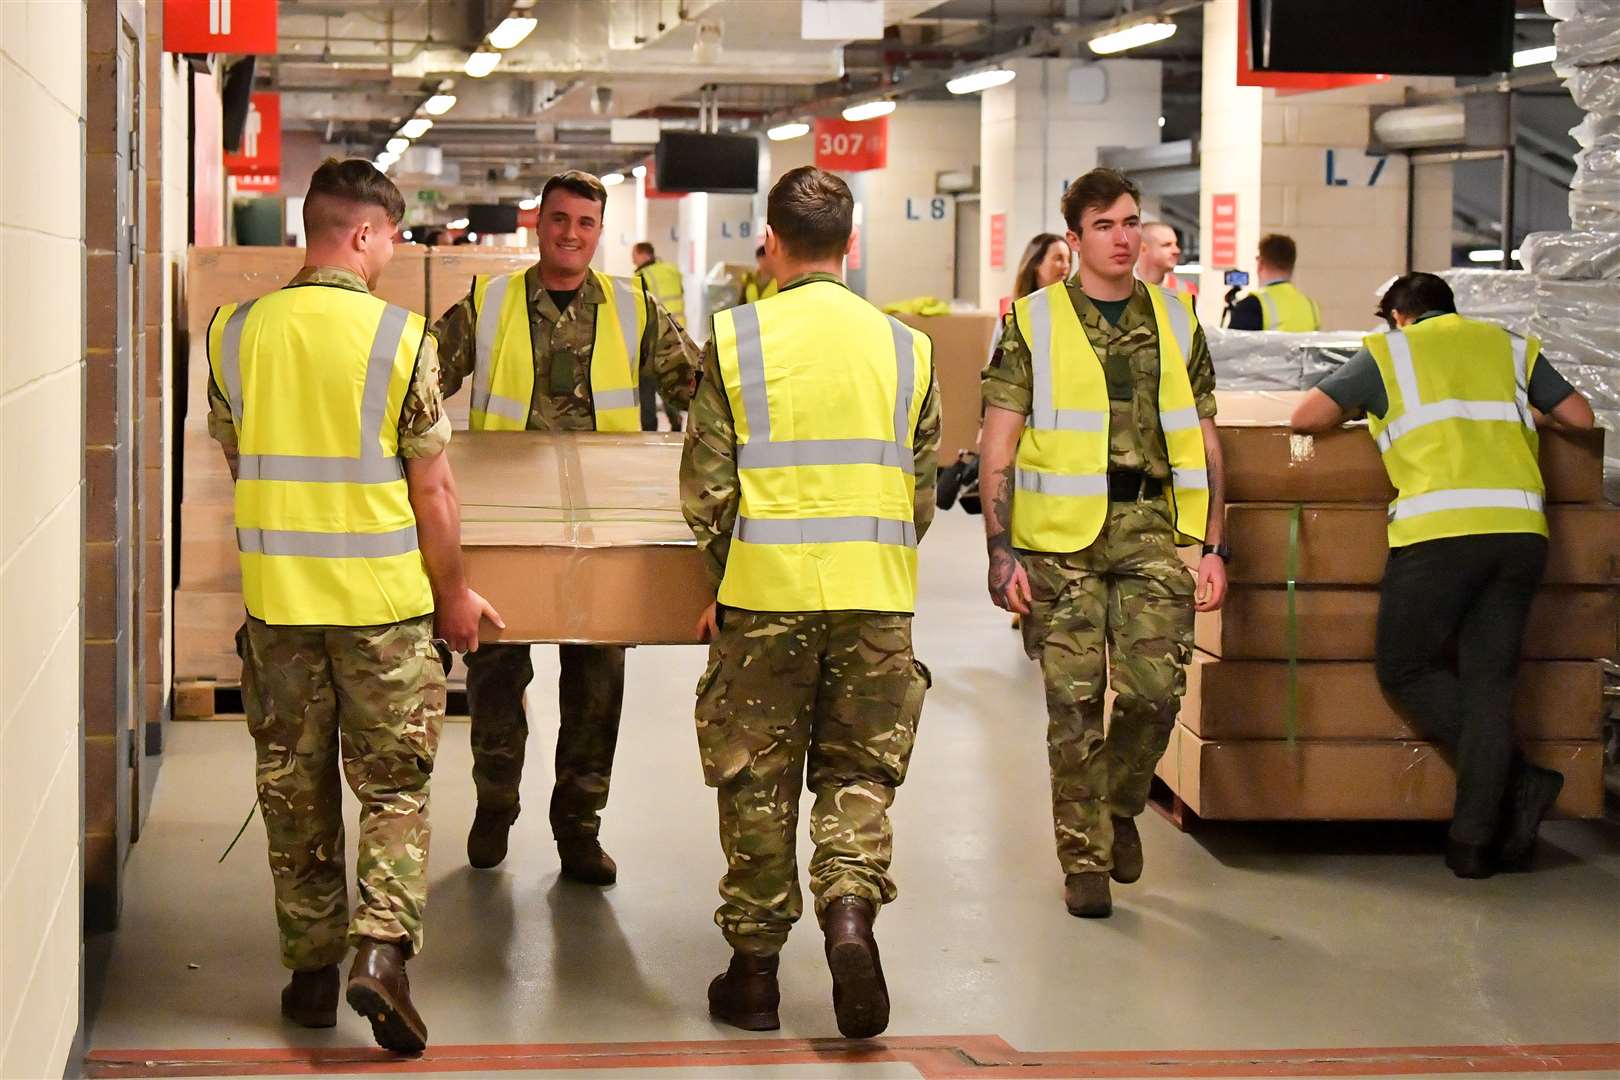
998	533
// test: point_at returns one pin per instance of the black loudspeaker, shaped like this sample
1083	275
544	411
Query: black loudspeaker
234	97
492	218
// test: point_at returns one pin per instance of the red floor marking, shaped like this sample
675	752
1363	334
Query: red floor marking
958	1057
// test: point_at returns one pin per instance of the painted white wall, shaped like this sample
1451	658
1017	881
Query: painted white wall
42	75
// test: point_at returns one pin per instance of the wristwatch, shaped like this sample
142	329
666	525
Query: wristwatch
1222	550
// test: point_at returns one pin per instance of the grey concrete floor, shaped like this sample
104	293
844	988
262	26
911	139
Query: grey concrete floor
1238	937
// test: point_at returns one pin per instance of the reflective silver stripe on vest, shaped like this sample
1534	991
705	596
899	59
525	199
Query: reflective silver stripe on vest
1454	409
1180	321
1521	378
1400	358
489	322
230	361
905	386
370	466
1190	478
1179	419
755	455
625	299
751	372
510	408
613	399
1047	483
1268	305
321	545
1042	415
1434	502
830	530
1073	420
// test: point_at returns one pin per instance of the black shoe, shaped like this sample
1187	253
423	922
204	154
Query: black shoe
1086	895
486	841
1530	799
860	996
1127	851
1470	860
311	998
380	992
745	995
584	861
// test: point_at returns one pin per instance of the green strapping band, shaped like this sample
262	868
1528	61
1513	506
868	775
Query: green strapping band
251	811
1291	713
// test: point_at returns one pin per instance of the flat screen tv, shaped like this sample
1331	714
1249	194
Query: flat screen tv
693	161
1382	37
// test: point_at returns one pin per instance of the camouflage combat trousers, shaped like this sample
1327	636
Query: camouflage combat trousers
838	691
372	698
1118	614
590	695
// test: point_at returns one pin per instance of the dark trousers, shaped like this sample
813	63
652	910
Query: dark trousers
1470	594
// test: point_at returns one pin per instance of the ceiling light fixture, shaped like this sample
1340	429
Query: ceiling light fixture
1133	36
397	145
783	132
1544	54
512	31
415	127
481	63
459	223
382	164
869	110
1491	255
639	171
613	179
978	81
527	204
439	104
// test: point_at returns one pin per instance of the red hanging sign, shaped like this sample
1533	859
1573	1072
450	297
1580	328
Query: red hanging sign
1223	222
260	151
851	145
998	241
219	26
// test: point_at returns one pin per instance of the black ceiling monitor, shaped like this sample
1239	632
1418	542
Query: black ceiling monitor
1382	37
720	164
492	218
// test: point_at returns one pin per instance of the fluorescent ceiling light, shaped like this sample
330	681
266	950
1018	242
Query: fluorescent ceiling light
480	64
1542	55
472	238
397	145
639	171
1491	255
527	204
439	104
382	164
415	127
388	156
1132	37
511	32
612	179
978	81
1161	121
869	110
783	132
459	223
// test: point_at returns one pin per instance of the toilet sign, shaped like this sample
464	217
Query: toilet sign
219	26
260	151
1223	222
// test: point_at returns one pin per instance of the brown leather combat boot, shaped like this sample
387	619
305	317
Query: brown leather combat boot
486	840
860	996
311	997
1127	851
380	992
745	995
1087	895
584	861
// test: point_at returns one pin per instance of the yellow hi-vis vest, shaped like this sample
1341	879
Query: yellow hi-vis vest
753	292
664	281
825	391
1062	497
316	377
1284	307
503	368
1458	439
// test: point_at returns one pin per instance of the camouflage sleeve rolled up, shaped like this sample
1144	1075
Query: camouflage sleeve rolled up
1201	370
424	429
1008	381
457	347
709	488
925	458
668	355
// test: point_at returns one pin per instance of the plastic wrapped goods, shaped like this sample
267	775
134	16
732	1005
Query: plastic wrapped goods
1504	297
1595	89
1589	38
1595	127
1581	255
1273	360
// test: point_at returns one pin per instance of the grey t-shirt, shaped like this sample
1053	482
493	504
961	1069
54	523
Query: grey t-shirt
1358	386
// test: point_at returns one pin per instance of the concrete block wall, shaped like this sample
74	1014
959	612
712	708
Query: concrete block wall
42	85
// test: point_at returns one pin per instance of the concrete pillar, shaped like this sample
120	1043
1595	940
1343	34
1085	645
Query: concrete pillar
1295	164
1040	131
692	256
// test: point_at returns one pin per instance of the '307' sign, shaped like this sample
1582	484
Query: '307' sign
851	145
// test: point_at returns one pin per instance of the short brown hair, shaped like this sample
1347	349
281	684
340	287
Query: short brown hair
576	182
1279	251
811	212
1095	190
644	248
338	188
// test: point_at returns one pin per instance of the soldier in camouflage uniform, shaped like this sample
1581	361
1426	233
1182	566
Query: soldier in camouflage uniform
562	327
370	697
1118	611
832	692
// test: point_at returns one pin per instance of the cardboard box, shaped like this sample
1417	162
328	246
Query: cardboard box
226	275
1348	545
205	625
1269	780
1265	462
1566	623
450	272
579	537
962	346
1248	699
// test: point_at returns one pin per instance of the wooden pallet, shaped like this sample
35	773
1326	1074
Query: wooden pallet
1168	803
209	699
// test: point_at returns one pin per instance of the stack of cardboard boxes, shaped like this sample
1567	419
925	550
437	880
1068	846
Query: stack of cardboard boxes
1352	756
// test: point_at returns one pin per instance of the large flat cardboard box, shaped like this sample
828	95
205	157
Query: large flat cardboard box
227	275
450	273
1265	462
1269	780
1566	623
1348	545
579	537
1248	699
961	348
